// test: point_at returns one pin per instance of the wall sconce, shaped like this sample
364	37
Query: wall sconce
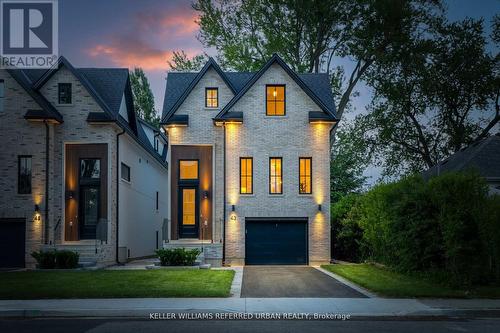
70	194
319	207
233	208
205	194
38	217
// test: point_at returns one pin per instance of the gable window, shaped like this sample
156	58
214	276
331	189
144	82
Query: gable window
246	175
275	175
2	94
188	169
125	172
211	97
305	171
24	175
275	100
64	94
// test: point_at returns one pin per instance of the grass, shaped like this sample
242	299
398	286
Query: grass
116	284
388	283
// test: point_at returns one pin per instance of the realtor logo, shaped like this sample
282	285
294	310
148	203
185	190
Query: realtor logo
29	36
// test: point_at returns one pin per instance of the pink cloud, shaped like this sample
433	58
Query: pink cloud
177	23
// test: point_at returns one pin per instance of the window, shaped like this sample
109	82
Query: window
24	175
125	172
90	168
211	97
275	176
246	175
275	100
157	200
305	170
64	93
188	170
2	94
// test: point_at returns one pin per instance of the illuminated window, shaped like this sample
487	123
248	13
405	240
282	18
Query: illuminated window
211	97
275	176
64	95
246	175
188	169
305	172
275	100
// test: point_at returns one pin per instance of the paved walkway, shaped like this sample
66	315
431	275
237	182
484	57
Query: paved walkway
292	281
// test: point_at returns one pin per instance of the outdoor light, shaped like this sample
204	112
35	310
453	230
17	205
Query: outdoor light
233	208
70	194
319	207
38	217
205	195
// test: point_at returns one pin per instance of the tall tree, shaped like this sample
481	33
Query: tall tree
144	102
180	62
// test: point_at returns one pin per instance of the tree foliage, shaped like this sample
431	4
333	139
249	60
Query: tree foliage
180	62
144	103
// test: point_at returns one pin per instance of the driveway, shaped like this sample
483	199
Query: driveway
292	281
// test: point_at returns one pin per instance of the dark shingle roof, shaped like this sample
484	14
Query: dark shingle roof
483	156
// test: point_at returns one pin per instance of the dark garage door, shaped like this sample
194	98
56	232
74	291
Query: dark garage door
276	242
12	245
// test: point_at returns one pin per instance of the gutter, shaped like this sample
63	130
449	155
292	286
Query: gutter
47	141
224	207
118	190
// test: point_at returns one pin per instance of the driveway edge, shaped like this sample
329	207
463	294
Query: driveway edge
348	283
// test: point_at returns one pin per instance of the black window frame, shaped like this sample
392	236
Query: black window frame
271	176
216	97
129	172
310	175
60	85
284	101
21	190
246	176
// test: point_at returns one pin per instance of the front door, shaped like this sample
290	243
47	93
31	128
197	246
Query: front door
89	211
188	212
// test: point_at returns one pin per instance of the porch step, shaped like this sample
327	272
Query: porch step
87	263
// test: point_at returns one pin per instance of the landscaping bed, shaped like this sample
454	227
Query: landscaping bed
115	284
386	282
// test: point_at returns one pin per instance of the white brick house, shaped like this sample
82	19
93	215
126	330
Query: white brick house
74	165
249	175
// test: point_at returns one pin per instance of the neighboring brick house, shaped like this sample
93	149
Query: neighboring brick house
250	164
76	166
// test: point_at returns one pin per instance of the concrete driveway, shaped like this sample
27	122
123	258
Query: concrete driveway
292	281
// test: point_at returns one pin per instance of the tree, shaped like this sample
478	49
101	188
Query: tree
182	63
144	102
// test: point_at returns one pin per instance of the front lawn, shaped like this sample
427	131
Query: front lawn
116	284
388	283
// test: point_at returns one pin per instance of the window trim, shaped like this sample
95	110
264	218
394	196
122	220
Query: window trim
189	180
251	175
284	100
216	99
59	93
129	172
310	176
270	176
19	157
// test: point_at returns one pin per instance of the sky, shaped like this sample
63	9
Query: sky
144	33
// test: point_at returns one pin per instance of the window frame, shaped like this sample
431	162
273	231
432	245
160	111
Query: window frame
61	84
284	100
189	180
310	175
19	157
270	175
129	172
246	176
216	97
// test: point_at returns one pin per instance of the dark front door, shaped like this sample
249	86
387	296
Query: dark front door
188	212
12	242
276	242
89	211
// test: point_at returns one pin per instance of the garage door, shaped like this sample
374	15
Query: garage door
12	233
276	242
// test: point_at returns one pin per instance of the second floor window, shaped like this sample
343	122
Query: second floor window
305	172
64	95
246	175
275	100
211	97
275	176
24	175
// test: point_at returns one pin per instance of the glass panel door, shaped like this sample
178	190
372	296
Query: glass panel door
188	202
89	212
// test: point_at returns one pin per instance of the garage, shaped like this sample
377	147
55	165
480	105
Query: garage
12	242
276	241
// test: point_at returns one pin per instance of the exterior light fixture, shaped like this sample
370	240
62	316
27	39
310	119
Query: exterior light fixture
70	194
37	217
233	208
319	207
205	194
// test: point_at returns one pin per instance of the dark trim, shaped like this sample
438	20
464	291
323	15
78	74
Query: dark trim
178	120
47	161
99	117
224	203
251	159
284	100
19	173
280	158
310	177
157	200
320	117
191	180
277	219
117	193
217	97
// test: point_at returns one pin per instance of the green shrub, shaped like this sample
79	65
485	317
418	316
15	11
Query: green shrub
45	259
66	259
177	256
346	232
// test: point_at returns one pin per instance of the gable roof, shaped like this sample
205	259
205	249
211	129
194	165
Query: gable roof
180	84
483	156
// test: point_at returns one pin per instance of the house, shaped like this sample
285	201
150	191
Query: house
249	176
78	170
483	156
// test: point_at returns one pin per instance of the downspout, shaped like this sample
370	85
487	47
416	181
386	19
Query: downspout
224	206
117	189
47	141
